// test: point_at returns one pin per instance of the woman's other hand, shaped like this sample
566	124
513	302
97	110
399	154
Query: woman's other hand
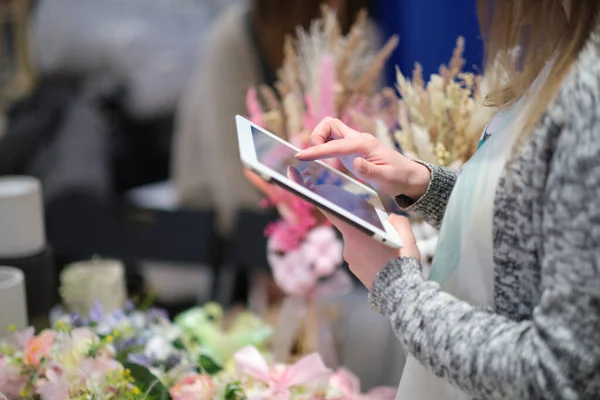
384	168
366	256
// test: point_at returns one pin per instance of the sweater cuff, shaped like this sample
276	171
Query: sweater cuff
398	268
406	202
441	182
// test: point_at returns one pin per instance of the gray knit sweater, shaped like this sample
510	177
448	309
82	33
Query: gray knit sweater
542	341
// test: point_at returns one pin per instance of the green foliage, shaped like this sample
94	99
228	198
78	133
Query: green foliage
208	366
233	391
148	383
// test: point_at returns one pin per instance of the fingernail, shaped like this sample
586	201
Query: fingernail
299	154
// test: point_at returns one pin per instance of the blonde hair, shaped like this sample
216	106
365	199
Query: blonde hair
541	30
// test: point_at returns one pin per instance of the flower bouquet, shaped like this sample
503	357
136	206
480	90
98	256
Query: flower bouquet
324	74
64	363
135	354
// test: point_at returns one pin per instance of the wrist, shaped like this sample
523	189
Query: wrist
417	181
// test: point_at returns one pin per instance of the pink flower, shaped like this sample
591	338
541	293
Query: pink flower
297	220
54	384
53	389
38	347
348	385
291	271
382	393
345	382
74	350
308	371
297	271
96	368
324	250
327	92
11	381
195	387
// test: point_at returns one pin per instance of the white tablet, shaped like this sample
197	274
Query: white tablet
274	160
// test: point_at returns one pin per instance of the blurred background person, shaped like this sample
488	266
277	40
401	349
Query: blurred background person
244	48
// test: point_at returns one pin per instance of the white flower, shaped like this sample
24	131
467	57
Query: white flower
138	320
168	331
159	348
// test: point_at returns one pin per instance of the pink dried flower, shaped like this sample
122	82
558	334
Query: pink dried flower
327	88
309	120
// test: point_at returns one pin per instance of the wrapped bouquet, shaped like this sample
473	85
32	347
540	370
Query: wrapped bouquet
324	74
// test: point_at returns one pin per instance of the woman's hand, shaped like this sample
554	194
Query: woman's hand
384	168
366	256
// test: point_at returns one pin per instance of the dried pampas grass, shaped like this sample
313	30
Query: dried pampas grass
327	74
441	120
324	74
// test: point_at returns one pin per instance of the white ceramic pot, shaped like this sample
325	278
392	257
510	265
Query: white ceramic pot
13	303
21	212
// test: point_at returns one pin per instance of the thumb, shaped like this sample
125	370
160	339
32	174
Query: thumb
404	229
364	169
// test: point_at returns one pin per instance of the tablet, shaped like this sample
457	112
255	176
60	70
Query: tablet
274	160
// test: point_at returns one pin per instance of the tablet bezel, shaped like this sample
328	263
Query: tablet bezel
250	161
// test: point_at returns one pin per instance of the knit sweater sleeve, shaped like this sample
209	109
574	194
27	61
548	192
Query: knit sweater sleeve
555	354
432	205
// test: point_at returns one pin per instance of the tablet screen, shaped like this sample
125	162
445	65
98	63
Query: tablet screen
335	187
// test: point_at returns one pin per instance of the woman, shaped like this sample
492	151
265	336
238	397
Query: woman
522	221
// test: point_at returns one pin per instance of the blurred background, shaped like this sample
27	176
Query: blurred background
123	109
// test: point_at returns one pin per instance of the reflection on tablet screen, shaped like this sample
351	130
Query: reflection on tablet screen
338	189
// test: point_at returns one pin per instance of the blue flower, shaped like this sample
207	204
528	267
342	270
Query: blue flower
77	321
118	314
96	313
126	343
140	359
